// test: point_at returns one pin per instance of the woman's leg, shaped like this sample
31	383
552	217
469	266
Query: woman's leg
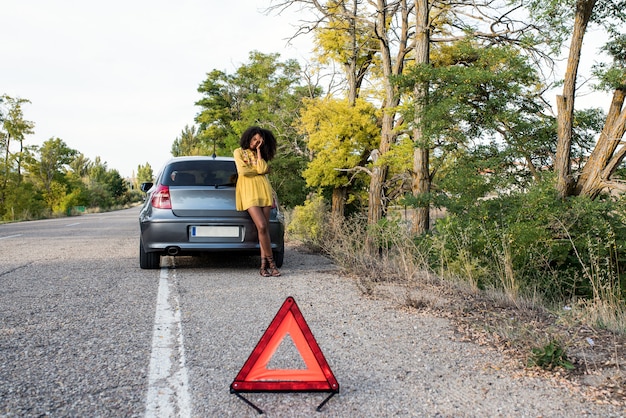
260	217
272	269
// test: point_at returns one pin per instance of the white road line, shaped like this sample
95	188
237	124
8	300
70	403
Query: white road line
11	236
168	381
74	224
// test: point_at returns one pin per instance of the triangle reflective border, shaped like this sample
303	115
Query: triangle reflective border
254	376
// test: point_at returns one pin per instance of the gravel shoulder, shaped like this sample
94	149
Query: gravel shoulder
492	321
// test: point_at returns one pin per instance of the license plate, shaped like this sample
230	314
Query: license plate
215	231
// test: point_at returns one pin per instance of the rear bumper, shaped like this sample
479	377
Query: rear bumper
163	234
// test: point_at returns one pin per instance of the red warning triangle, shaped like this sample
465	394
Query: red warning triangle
254	376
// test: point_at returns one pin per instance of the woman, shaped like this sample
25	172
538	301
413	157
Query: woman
254	192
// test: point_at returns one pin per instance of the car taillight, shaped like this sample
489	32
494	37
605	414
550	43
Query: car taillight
161	198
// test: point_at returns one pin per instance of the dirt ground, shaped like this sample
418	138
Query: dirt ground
598	355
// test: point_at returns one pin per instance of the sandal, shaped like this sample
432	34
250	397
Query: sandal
264	272
272	266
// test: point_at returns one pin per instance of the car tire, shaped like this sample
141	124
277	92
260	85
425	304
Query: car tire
279	257
148	260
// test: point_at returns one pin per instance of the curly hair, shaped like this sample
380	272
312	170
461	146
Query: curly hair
268	149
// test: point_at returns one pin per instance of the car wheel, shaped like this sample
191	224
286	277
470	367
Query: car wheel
148	260
279	256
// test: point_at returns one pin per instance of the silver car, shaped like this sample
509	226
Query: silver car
190	209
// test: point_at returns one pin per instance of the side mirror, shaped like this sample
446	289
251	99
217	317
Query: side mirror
146	186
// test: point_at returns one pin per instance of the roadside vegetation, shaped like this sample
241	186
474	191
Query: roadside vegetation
418	149
53	179
551	299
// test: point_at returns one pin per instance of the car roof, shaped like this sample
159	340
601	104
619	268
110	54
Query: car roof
199	158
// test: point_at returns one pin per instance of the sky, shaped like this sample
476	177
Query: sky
118	79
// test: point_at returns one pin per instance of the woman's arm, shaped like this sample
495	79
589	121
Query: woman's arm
247	169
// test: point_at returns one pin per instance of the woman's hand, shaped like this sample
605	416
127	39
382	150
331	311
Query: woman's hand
256	142
259	155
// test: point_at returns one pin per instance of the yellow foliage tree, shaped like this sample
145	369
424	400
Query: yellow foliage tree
341	137
347	39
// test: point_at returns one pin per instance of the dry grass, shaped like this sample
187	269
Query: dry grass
500	318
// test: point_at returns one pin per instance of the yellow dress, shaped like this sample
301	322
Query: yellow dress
253	186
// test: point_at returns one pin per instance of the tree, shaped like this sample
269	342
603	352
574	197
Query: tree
386	30
487	25
343	36
383	28
144	173
565	101
37	180
476	95
116	185
575	16
421	178
48	172
402	43
393	59
217	112
610	150
341	135
54	155
106	187
81	165
188	143
14	128
263	92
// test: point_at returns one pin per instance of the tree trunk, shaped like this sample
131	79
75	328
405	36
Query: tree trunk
421	185
602	162
376	204
565	102
339	202
354	83
351	65
19	162
379	172
390	68
590	180
6	168
421	166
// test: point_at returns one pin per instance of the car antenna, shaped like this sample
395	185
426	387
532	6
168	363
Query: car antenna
214	154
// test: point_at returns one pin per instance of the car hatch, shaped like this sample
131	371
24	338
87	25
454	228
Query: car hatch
203	201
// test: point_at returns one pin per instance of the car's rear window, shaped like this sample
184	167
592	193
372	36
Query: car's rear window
200	173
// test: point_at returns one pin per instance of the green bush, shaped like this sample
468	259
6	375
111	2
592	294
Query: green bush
550	357
22	203
308	222
545	245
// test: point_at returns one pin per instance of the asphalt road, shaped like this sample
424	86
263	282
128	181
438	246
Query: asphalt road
84	332
77	317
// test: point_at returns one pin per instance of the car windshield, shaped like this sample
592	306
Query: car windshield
201	173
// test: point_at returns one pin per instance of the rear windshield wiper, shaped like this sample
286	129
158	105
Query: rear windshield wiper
217	186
